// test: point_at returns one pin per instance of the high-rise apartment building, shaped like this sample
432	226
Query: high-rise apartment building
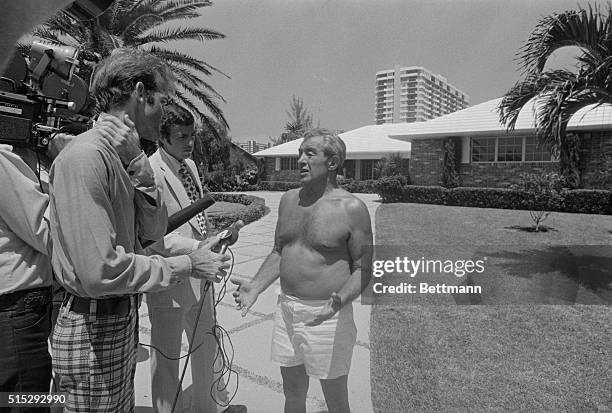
414	94
252	146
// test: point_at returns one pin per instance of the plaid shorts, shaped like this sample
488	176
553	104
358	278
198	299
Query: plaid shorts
95	358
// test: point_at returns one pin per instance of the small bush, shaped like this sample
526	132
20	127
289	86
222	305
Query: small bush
391	188
543	193
255	209
220	180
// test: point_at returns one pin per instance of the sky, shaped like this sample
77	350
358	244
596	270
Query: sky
327	52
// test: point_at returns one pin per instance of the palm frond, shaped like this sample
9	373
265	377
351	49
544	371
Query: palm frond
185	60
131	27
46	34
206	100
206	121
525	90
170	6
583	28
61	24
178	33
175	10
195	81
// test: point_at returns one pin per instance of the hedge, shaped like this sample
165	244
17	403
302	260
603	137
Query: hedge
255	209
584	201
588	201
365	187
277	186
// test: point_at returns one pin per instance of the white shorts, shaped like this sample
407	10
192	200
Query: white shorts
325	350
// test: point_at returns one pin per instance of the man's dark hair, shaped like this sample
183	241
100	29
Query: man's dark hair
174	115
116	76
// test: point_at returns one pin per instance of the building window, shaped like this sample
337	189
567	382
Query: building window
509	149
483	149
367	169
289	163
535	152
349	168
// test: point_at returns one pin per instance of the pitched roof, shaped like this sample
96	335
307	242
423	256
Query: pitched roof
369	141
483	119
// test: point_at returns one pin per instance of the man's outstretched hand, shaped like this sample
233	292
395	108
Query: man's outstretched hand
331	307
245	295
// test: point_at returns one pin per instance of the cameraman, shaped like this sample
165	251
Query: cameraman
101	204
25	274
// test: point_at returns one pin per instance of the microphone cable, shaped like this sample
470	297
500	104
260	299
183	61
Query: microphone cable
221	336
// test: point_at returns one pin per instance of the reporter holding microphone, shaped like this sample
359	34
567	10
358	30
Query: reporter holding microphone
102	203
175	310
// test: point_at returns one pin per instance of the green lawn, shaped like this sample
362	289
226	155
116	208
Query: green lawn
441	357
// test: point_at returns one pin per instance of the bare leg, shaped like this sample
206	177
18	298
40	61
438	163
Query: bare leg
295	386
336	394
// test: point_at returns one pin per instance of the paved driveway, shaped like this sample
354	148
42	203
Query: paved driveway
259	381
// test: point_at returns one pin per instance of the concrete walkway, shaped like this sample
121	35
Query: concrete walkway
259	380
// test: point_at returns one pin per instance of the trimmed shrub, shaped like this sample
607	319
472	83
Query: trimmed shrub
351	185
220	180
484	197
367	186
255	209
277	185
425	194
391	188
585	201
588	201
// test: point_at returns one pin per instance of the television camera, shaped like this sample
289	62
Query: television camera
41	93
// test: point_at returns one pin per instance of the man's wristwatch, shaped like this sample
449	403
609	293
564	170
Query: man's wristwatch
336	302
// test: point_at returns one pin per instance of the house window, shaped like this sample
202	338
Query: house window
510	149
349	168
367	169
289	163
483	149
535	152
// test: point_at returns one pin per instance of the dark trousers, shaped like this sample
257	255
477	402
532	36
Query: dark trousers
25	324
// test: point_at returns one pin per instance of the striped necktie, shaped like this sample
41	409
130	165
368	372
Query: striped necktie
192	192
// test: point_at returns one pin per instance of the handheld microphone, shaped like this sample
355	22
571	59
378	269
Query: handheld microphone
229	236
177	219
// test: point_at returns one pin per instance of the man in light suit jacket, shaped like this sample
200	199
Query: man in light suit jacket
173	311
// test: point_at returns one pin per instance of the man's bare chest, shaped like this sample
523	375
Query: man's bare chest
318	227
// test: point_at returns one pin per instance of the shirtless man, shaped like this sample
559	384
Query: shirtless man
321	234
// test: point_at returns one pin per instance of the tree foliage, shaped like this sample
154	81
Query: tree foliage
149	25
300	121
561	93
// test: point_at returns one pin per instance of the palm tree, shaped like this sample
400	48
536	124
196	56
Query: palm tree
144	24
560	93
300	121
